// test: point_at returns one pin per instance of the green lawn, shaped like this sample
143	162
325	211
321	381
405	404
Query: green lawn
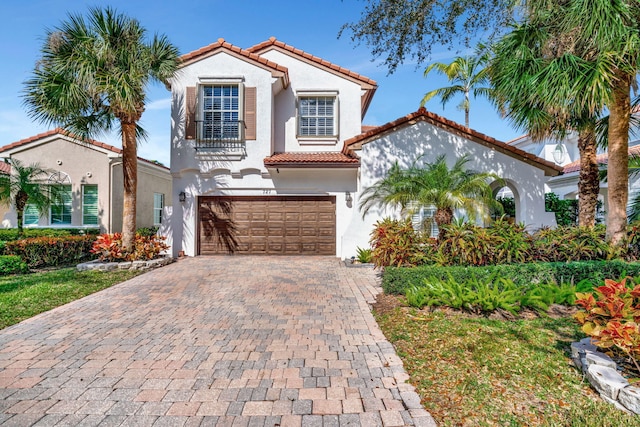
474	371
23	296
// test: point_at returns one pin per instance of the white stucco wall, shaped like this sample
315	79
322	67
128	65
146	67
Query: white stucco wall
199	174
409	142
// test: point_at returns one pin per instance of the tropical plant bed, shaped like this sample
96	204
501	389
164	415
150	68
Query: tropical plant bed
474	370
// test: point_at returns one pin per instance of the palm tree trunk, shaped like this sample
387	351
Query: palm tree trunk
443	216
466	108
130	172
589	183
618	165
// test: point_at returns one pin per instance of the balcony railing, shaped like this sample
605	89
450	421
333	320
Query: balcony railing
227	137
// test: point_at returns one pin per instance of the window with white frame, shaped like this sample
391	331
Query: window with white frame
62	207
423	221
158	206
317	115
220	112
30	215
89	205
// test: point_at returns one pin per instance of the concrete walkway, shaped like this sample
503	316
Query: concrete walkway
212	341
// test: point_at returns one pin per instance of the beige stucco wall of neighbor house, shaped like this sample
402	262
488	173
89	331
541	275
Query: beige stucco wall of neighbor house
422	138
151	179
88	164
81	162
199	174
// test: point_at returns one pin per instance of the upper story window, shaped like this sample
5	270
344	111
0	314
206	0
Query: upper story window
317	115
221	117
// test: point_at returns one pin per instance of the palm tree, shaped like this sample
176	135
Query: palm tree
467	74
521	60
27	185
434	184
93	73
593	46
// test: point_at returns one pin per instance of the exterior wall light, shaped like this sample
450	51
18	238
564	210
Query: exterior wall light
347	197
182	197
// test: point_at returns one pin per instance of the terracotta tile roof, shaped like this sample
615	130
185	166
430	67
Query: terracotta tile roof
422	114
222	44
322	159
5	168
367	128
260	47
62	132
602	159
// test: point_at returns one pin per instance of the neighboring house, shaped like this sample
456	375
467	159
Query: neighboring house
90	174
565	153
267	146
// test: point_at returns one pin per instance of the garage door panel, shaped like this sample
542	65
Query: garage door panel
272	224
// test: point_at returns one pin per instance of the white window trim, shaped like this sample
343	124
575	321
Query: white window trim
97	224
319	139
62	224
161	209
206	81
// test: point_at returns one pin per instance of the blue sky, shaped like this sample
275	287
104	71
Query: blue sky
310	25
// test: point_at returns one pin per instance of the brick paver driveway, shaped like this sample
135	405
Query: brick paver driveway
226	341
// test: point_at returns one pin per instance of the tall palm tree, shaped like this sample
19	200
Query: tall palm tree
93	74
593	47
467	74
522	58
27	185
434	184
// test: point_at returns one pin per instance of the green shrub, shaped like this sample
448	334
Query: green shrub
363	255
11	234
582	274
147	231
12	264
488	294
41	252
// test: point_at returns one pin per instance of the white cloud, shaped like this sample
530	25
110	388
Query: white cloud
159	104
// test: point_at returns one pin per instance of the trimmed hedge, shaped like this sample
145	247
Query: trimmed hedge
41	252
11	234
12	264
396	280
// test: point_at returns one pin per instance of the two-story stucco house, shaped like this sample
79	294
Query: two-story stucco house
267	148
90	175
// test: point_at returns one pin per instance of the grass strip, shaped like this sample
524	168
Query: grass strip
25	295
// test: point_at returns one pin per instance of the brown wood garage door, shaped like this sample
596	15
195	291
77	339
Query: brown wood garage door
273	225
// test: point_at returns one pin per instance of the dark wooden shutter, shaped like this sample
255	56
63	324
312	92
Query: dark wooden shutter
250	112
190	113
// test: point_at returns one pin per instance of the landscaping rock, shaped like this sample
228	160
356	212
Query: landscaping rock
135	265
606	380
598	358
578	349
629	397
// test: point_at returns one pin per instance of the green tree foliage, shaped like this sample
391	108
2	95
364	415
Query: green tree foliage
433	184
27	185
468	75
92	75
399	30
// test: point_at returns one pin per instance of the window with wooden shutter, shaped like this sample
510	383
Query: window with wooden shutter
190	113
250	112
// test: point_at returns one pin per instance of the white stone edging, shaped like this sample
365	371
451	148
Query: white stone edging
602	373
129	265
